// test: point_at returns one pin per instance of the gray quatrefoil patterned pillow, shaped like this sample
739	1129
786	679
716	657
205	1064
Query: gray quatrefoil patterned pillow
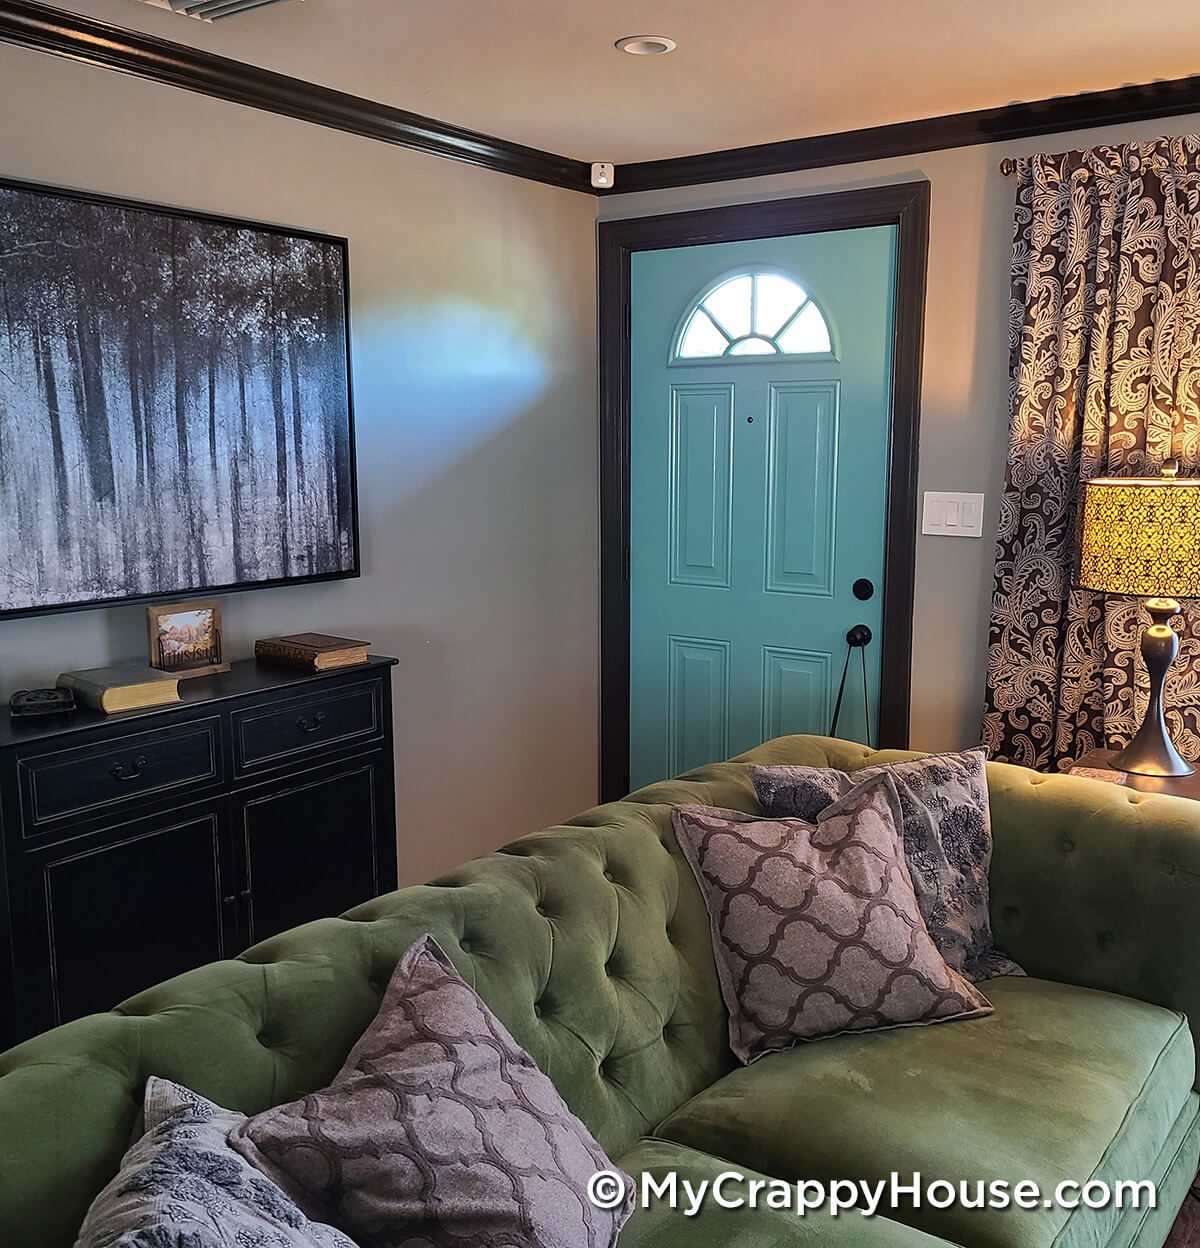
947	842
439	1131
182	1186
816	929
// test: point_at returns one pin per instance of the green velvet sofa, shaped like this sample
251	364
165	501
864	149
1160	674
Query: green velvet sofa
591	942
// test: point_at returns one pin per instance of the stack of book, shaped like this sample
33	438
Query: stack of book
122	687
312	652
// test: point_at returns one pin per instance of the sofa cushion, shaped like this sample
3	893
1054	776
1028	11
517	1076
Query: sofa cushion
438	1126
1173	1173
658	1226
816	928
1059	1083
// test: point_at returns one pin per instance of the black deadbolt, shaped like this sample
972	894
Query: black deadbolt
863	589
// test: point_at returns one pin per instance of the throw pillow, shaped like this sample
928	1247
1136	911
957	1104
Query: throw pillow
947	841
439	1130
182	1186
816	928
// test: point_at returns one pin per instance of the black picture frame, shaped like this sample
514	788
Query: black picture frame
184	592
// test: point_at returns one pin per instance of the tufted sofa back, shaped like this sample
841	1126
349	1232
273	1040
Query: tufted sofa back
591	943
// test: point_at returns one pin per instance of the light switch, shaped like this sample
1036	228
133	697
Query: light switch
952	515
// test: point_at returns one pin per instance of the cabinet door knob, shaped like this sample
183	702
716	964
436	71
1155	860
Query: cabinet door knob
317	720
128	771
246	894
231	900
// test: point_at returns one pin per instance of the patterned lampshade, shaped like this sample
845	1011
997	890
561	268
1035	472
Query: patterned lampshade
1141	537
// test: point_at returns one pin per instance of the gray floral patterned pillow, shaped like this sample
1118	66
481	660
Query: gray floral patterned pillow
947	842
440	1131
182	1186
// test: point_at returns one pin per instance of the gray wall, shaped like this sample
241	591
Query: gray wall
474	369
474	373
964	417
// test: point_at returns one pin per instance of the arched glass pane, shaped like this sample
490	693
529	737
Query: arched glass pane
729	305
752	346
776	298
701	338
807	334
755	314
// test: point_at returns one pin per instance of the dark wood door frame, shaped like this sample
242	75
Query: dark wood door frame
905	205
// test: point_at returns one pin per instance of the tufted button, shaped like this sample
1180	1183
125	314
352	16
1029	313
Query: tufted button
1168	868
1067	845
541	910
465	945
608	875
264	1039
537	1009
1105	938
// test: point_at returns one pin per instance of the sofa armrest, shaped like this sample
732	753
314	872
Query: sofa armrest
1098	885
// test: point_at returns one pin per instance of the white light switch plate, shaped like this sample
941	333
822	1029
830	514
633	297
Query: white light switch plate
952	515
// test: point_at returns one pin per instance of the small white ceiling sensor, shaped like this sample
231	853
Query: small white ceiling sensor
646	45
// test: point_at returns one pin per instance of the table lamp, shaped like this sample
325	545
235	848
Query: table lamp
1140	537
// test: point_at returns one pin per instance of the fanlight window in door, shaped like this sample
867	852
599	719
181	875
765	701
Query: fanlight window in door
754	314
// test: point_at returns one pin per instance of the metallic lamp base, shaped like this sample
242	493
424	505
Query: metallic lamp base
1151	752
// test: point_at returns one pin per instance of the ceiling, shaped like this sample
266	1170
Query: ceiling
545	72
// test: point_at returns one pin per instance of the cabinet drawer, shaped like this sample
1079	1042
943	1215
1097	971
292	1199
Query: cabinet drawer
91	778
265	736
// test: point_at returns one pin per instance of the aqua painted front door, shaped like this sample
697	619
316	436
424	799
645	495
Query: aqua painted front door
760	421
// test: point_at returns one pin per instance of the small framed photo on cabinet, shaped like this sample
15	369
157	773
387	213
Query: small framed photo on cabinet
185	638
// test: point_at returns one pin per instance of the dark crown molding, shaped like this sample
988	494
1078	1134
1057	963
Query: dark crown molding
92	42
1118	106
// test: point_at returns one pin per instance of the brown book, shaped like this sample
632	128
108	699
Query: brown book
313	652
123	687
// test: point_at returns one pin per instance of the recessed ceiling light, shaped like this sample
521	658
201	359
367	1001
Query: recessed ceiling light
646	45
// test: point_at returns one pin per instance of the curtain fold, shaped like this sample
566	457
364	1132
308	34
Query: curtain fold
1104	338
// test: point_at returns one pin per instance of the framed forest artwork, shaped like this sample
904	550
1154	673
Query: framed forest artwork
175	403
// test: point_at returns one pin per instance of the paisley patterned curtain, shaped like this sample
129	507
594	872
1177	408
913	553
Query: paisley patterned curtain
1104	336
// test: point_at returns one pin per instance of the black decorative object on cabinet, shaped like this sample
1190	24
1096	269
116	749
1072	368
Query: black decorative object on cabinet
138	846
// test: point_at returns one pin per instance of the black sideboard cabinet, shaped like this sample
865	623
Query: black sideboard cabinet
138	846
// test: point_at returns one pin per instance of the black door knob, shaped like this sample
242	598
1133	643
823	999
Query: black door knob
859	635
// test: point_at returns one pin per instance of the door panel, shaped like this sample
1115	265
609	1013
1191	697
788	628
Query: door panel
758	491
796	691
802	440
698	698
701	484
310	849
122	908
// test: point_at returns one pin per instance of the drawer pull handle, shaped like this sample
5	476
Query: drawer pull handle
131	771
229	901
317	720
